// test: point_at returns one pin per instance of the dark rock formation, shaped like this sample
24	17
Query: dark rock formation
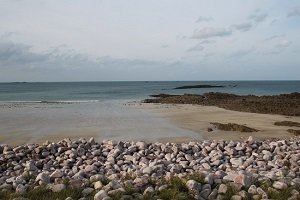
233	127
287	123
284	104
198	86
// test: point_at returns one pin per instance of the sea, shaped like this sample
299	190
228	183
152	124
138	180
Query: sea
36	112
131	90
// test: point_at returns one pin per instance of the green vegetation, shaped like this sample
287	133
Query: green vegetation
42	193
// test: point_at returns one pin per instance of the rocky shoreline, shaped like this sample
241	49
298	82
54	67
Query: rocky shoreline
138	170
283	104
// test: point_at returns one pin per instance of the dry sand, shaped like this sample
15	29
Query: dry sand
197	118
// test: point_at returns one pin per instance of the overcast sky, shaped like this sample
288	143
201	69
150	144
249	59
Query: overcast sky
105	40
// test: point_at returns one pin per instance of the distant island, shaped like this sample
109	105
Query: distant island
198	86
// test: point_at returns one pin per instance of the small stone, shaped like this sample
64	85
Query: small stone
58	187
236	197
21	189
252	189
222	189
30	166
87	191
213	195
98	185
148	170
148	190
193	186
205	193
236	161
279	185
92	140
57	174
141	145
100	195
243	180
43	177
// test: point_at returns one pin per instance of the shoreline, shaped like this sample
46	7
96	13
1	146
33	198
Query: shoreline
198	118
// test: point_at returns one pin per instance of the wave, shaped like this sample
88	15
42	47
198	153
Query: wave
54	101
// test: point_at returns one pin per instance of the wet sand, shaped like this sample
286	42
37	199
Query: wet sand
197	118
37	122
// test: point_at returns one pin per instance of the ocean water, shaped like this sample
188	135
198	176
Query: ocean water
104	91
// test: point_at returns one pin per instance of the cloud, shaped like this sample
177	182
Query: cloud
198	47
283	44
243	27
294	13
204	19
241	53
274	37
164	46
21	57
14	54
208	32
273	22
258	17
208	42
279	47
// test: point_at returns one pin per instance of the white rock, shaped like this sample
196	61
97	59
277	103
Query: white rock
100	195
98	185
43	177
141	145
57	174
222	189
193	186
279	185
58	187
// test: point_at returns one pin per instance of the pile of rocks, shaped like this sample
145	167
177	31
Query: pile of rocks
104	169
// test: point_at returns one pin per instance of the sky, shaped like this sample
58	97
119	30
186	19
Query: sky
137	40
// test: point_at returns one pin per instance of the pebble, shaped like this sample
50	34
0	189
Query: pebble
111	166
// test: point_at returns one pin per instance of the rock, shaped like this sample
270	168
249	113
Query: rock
30	166
21	189
236	161
236	197
75	183
92	140
43	177
90	168
98	185
116	191
252	189
279	185
193	186
243	179
205	193
141	145
213	195
148	190
222	189
148	170
69	198
163	187
87	191
100	195
58	187
57	174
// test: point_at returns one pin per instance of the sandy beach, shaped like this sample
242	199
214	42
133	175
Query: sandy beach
37	122
197	118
